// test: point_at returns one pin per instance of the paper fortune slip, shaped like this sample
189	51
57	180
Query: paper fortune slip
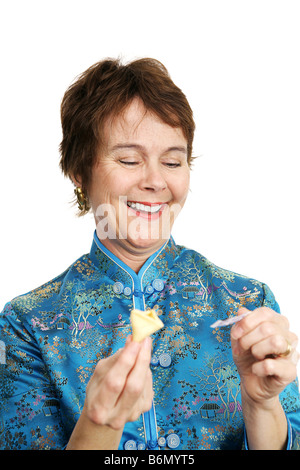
229	321
144	323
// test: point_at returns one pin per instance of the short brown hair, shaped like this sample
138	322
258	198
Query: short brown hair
103	91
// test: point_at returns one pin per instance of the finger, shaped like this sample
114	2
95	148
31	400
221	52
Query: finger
239	330
114	381
137	395
138	377
285	371
255	318
276	336
105	364
140	404
273	345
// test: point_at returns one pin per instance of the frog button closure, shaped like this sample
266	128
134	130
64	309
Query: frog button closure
118	287
149	289
141	446
127	291
130	445
154	361
165	359
158	285
162	441
173	441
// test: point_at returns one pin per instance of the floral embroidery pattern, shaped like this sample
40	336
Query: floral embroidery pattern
55	335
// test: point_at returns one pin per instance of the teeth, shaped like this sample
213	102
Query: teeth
142	207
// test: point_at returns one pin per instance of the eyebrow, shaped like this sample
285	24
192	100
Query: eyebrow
179	148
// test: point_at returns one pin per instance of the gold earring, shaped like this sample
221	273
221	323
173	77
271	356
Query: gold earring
81	199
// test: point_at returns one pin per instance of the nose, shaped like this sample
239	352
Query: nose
153	178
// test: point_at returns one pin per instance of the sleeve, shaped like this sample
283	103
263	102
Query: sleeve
29	415
290	397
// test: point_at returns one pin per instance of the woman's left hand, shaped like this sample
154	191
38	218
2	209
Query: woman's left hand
264	351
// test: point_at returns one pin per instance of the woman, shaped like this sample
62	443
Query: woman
74	378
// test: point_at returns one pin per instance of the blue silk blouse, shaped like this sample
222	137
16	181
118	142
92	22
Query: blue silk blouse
53	337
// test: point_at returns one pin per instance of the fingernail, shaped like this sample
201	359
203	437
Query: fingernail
128	339
134	346
147	343
237	331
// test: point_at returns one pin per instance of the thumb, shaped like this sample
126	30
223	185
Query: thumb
241	313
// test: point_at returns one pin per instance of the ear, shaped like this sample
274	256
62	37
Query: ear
77	181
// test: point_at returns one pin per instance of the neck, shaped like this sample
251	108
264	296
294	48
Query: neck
132	256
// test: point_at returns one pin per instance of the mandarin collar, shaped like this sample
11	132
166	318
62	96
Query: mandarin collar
157	265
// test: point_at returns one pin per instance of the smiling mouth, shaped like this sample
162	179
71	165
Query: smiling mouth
147	208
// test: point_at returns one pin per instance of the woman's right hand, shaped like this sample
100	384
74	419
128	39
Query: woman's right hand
120	389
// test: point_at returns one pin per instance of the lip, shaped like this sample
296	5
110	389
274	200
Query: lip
146	203
144	215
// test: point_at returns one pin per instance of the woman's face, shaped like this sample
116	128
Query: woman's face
140	181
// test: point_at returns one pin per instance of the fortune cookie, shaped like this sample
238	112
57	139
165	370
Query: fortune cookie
144	323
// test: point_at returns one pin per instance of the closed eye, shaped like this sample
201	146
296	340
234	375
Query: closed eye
129	163
172	165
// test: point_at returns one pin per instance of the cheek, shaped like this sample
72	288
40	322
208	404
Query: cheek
105	188
98	192
181	188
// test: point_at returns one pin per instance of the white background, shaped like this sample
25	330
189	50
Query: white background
238	63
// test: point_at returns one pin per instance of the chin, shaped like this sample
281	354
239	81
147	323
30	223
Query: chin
146	244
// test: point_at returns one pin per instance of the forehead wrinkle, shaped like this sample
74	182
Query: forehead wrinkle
129	120
141	149
179	148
